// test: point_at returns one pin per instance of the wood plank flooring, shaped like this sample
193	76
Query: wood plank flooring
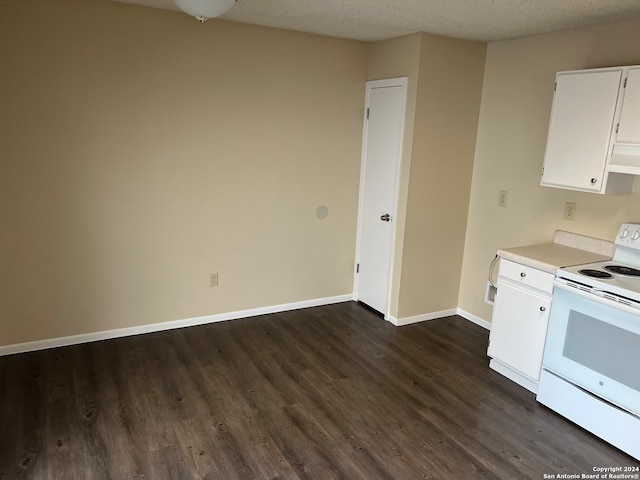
320	393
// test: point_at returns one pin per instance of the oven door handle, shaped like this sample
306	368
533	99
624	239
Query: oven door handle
596	295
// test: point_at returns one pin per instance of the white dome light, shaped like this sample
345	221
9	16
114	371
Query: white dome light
204	9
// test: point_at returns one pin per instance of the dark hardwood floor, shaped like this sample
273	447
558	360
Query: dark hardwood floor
327	392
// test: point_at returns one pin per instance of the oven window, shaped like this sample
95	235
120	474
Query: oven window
609	350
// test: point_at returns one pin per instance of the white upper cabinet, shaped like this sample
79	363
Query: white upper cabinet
586	106
629	128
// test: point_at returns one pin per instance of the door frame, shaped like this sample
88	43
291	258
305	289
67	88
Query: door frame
371	84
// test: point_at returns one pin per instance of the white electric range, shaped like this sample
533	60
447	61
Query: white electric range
591	363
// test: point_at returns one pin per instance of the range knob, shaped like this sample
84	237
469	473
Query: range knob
624	233
636	235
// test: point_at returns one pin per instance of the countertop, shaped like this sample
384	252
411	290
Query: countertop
567	249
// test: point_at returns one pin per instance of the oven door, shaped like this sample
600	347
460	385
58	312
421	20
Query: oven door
594	343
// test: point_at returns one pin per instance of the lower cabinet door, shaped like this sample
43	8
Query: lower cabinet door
519	328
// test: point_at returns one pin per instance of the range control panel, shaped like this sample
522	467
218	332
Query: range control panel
629	235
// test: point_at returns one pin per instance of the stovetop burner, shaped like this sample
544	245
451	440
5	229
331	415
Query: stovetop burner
594	273
619	276
623	270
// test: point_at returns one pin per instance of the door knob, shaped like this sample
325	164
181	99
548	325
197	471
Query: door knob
386	217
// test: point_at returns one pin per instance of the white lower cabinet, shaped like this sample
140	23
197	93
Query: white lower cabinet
519	322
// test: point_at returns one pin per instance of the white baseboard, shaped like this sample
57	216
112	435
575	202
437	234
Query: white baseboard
399	322
158	327
473	318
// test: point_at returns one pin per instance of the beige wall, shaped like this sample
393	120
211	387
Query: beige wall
142	150
446	121
516	103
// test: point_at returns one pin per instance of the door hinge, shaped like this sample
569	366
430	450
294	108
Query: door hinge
358	268
617	127
367	114
625	83
555	85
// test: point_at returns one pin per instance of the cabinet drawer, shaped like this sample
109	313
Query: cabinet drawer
523	275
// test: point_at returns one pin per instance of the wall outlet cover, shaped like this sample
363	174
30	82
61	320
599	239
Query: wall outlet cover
503	198
570	211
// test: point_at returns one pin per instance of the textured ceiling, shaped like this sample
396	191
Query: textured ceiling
372	20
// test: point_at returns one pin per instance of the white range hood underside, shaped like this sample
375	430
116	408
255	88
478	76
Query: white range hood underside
625	159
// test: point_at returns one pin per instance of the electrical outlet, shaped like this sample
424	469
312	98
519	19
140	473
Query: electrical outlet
213	279
503	198
570	211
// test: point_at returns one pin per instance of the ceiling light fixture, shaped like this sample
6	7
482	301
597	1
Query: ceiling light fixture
203	10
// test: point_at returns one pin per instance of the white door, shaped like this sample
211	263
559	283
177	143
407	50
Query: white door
381	154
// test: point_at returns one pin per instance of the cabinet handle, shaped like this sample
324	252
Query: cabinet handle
542	309
522	274
594	180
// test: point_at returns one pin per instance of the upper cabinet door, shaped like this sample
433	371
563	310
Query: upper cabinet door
580	129
629	128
